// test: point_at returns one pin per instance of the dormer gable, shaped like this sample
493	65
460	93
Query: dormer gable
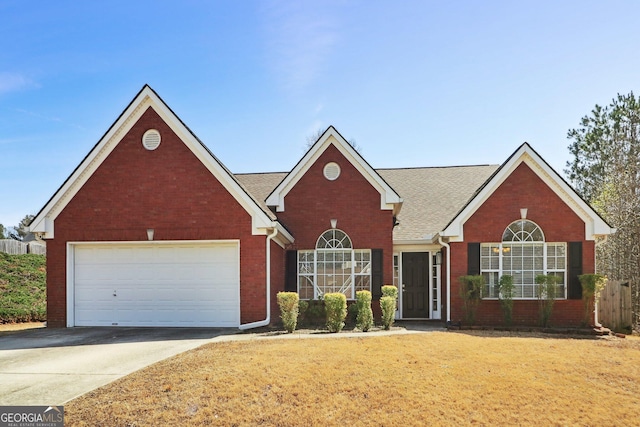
389	199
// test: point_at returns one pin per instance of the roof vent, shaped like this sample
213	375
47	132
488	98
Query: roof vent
151	139
331	171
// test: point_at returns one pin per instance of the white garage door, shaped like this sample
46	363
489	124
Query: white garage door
157	284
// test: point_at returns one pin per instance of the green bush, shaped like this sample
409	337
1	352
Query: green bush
471	294
352	313
388	305
303	306
390	291
289	306
505	293
592	285
23	288
335	305
364	319
546	293
316	313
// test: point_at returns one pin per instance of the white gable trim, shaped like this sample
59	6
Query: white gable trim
594	224
389	199
45	220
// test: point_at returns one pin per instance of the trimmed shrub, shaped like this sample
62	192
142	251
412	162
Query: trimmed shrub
592	285
471	294
352	313
335	304
388	305
289	306
505	293
546	293
364	319
390	291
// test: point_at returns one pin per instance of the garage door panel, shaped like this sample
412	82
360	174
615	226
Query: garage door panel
157	285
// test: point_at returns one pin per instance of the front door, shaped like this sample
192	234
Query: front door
415	285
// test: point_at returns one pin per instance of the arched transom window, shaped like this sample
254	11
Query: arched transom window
334	266
522	254
522	231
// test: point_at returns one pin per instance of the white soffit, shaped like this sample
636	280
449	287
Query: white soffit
389	199
594	224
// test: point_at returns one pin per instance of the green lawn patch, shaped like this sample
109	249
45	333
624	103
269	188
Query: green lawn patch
23	296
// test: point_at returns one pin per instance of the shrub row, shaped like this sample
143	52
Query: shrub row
333	309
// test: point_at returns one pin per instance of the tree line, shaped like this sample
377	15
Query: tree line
17	232
605	170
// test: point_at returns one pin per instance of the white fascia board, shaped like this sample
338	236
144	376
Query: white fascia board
44	222
389	199
259	219
594	225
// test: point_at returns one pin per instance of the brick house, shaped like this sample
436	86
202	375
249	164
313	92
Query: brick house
151	229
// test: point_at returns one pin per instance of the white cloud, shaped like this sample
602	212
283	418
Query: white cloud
300	39
11	82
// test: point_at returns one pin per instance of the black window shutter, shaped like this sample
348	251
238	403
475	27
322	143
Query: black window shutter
574	290
291	273
473	259
376	274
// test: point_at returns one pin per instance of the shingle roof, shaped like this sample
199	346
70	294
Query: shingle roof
432	195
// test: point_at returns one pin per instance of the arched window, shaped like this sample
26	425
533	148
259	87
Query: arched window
522	254
334	266
522	231
333	239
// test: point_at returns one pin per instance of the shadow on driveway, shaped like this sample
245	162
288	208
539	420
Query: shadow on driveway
80	336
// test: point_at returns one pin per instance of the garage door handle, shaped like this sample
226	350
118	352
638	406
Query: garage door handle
114	294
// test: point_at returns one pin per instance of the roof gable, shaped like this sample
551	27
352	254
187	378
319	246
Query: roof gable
262	219
594	224
389	199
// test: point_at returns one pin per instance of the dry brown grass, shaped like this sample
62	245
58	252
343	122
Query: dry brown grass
434	378
20	326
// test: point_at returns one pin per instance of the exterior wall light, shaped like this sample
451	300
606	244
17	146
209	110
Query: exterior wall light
150	232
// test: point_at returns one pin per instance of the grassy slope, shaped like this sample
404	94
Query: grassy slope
22	288
427	379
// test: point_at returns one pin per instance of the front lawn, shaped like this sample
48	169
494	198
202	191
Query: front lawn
421	379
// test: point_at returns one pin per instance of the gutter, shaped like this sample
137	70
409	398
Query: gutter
266	321
446	245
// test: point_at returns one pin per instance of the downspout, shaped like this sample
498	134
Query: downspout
446	245
266	321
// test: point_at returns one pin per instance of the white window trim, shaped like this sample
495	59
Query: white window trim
545	270
317	293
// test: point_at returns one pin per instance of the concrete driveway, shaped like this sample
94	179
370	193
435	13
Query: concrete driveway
53	366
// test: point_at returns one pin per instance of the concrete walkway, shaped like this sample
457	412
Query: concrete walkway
52	366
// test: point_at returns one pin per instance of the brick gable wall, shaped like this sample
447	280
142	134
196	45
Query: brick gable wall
522	189
168	190
351	199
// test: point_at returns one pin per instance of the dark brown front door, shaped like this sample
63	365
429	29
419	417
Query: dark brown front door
415	285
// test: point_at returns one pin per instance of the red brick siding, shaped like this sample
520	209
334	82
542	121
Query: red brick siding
168	190
351	199
523	189
277	279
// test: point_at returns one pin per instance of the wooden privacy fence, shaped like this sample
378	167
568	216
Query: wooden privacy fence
14	247
614	308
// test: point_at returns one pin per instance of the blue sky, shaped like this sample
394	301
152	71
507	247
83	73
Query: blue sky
415	83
